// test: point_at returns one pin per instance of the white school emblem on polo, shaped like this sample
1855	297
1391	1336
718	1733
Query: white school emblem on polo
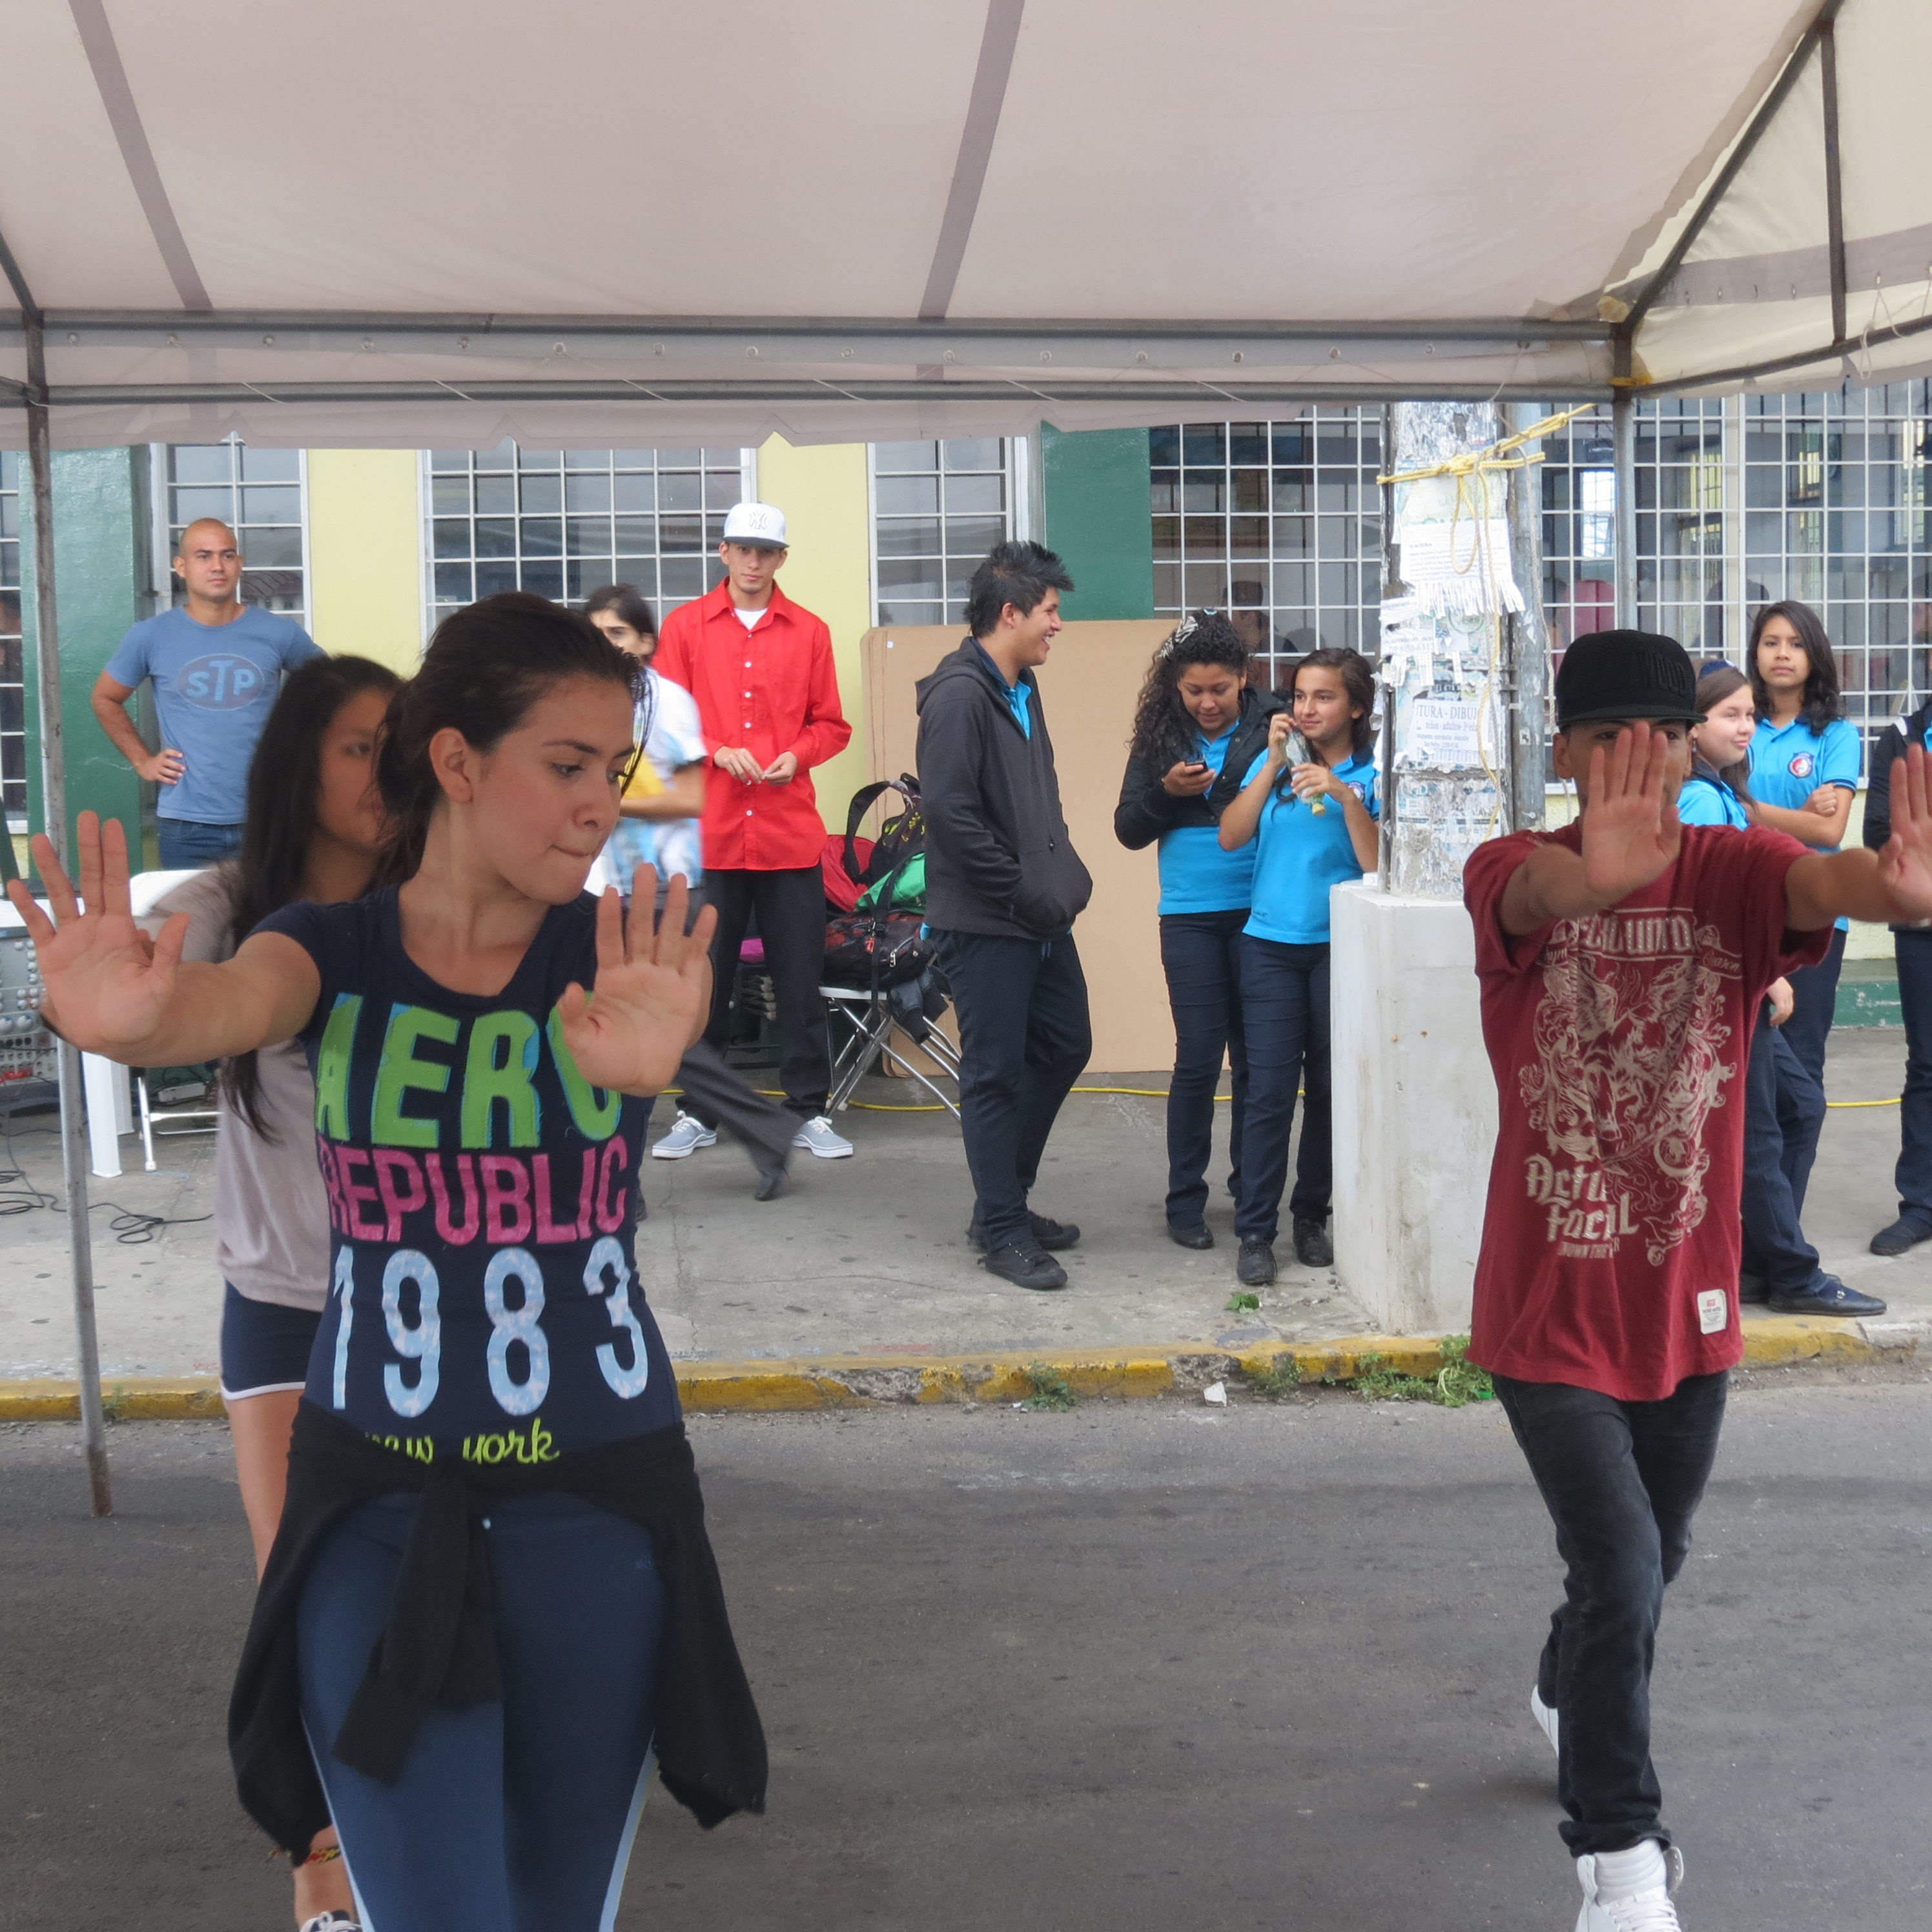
1800	767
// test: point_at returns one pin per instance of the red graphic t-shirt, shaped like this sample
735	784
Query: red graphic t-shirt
1610	1239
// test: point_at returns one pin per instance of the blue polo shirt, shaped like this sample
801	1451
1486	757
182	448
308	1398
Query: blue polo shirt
1789	762
1195	875
1710	802
1300	853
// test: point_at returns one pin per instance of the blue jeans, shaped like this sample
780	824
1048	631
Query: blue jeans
1784	1108
1201	954
1814	1003
1284	1016
1913	951
1024	1038
1621	1481
187	845
512	1816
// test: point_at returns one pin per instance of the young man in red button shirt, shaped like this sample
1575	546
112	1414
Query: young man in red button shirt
1622	961
761	668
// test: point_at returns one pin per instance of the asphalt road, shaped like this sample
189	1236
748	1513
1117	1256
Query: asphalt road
1140	1665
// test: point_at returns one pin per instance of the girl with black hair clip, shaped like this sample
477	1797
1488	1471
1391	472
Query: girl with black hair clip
1804	764
1200	724
1310	803
313	830
491	1599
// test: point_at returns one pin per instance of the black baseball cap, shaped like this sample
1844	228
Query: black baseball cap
1626	674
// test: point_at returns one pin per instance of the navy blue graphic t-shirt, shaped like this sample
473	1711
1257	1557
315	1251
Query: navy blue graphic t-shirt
483	1292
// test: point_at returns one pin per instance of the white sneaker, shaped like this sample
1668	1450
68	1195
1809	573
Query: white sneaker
818	1136
685	1137
1545	1716
1630	1890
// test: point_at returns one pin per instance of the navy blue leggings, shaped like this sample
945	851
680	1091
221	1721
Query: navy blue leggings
510	1817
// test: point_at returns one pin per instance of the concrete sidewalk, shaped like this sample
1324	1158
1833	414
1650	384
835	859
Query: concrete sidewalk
863	1268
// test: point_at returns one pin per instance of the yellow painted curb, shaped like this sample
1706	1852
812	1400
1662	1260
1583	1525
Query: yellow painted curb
868	1381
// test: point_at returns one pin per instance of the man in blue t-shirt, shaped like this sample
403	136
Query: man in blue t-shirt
216	665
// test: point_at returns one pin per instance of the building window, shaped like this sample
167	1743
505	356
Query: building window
563	523
1278	523
938	509
262	495
1744	501
13	675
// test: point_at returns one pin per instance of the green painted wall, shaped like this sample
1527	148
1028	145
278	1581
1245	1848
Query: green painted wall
100	573
1094	512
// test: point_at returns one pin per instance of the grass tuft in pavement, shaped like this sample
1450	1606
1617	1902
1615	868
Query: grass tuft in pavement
1456	1384
1050	1389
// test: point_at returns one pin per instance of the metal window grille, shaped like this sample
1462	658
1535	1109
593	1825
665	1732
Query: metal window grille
1279	523
13	676
938	509
564	523
261	495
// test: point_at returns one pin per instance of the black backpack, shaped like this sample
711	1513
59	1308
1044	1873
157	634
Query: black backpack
901	838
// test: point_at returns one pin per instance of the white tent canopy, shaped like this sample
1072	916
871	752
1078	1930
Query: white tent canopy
443	222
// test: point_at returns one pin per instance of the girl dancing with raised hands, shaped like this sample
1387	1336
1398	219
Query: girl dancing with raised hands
491	1598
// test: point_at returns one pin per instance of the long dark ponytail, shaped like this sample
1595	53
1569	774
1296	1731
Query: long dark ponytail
485	667
1164	733
284	786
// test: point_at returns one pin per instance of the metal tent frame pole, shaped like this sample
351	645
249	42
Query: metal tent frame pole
53	812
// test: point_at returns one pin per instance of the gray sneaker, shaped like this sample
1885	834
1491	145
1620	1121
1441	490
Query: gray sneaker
685	1137
818	1136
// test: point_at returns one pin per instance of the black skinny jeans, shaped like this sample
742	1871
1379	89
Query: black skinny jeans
1025	1038
790	907
1201	954
1621	1481
1284	1016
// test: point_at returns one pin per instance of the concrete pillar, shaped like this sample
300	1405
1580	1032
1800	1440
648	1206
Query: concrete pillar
365	554
1414	1108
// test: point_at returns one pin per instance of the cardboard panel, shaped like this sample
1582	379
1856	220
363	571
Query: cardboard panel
1087	688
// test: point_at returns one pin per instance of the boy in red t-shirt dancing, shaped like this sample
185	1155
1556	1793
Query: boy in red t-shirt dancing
1622	961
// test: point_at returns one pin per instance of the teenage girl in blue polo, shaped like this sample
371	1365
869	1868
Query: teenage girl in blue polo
1314	825
1804	764
1784	1106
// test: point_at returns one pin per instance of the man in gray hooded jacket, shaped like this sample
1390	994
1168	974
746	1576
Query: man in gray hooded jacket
1003	887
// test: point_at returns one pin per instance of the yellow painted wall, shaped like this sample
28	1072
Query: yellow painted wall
822	491
365	554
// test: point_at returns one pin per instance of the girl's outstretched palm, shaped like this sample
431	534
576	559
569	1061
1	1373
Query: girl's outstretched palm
108	985
653	996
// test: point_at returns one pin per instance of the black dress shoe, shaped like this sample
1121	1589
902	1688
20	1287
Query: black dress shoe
1827	1295
1046	1233
1255	1267
1752	1289
1198	1236
1025	1265
771	1182
1907	1231
1312	1247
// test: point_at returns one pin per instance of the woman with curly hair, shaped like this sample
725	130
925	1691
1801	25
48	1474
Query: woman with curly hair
1200	724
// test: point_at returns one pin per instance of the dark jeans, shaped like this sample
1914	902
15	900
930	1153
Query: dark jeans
1814	993
186	844
1784	1108
510	1815
1914	953
1024	1040
1621	1481
1284	1017
790	909
1201	954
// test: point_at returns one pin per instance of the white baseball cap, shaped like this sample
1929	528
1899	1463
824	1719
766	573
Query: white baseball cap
756	523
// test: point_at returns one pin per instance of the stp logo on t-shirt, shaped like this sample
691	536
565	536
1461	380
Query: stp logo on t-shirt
220	682
1800	767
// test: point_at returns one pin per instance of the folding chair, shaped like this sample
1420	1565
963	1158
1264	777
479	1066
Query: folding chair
874	1013
145	890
